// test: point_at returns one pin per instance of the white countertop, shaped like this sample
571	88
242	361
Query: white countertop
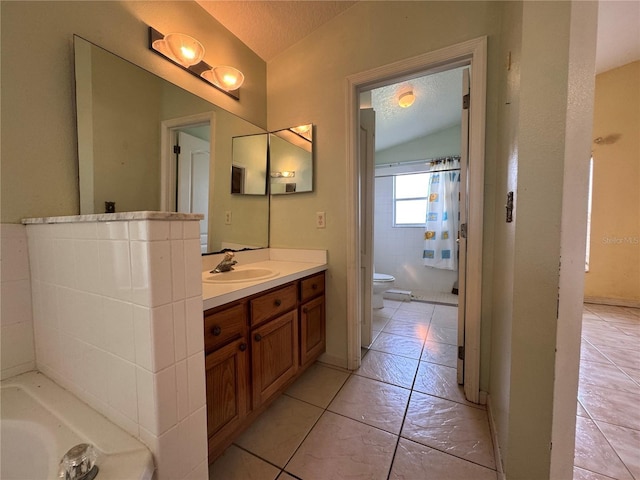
114	217
216	294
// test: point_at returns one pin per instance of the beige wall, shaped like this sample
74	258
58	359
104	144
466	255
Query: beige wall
614	267
39	159
368	35
126	168
307	83
526	154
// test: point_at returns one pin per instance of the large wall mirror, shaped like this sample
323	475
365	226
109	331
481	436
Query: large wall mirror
130	123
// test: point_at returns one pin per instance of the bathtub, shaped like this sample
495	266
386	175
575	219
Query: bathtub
40	422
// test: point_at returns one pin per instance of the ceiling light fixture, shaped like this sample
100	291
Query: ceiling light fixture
406	99
188	53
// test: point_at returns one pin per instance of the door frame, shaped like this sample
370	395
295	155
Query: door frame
168	177
474	53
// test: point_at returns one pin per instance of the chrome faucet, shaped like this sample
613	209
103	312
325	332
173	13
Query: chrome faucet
226	264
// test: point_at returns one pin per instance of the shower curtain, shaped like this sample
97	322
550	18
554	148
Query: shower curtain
443	212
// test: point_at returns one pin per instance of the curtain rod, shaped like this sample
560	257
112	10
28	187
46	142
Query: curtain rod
413	162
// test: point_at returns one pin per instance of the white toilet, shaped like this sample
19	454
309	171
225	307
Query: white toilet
381	283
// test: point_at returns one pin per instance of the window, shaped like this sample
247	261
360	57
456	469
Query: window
410	199
590	198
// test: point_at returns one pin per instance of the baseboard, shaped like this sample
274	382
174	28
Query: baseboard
616	302
494	438
395	294
333	361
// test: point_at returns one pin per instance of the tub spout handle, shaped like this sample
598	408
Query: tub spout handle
79	463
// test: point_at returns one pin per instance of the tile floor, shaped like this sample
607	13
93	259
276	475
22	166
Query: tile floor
402	415
608	420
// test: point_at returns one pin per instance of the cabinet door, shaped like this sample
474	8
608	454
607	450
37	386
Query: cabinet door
274	358
312	330
227	388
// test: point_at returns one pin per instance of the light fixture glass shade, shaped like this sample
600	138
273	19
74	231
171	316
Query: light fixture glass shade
406	99
226	78
180	48
285	174
302	129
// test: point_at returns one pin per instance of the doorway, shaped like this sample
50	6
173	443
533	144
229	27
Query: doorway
187	146
473	54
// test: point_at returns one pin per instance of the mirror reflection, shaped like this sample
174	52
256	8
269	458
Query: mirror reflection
146	144
249	167
291	160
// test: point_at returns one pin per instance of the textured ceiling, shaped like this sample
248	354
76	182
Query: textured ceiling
618	34
269	27
437	106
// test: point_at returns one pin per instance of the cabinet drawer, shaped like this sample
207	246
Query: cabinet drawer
273	304
311	287
220	327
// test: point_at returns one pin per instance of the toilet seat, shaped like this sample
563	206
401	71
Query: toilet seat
383	278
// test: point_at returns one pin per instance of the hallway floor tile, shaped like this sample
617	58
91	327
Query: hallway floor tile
608	421
403	416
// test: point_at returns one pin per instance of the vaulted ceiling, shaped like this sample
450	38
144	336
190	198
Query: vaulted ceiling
269	27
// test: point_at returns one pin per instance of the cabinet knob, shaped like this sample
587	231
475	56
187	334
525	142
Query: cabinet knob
216	330
257	337
278	302
314	287
243	347
304	310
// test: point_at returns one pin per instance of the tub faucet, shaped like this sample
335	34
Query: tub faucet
226	264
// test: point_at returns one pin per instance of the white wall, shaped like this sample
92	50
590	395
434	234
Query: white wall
16	319
439	144
118	322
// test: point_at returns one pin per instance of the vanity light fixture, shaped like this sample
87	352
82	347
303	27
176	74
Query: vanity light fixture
188	53
180	48
290	174
227	78
302	129
406	99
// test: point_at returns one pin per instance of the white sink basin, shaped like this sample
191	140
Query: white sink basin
239	275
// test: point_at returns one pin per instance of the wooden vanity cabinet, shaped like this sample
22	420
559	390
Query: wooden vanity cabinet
254	349
312	319
227	372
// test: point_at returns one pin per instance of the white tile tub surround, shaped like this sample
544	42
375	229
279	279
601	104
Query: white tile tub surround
118	322
16	319
398	251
